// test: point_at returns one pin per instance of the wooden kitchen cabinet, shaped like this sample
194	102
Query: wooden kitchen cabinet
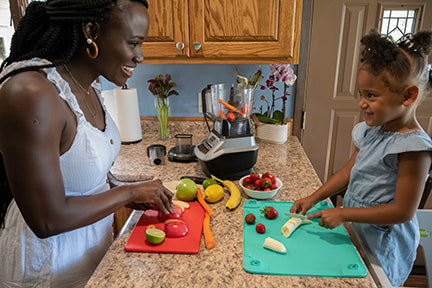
223	31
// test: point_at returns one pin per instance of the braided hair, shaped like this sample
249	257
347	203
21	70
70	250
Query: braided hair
49	30
398	62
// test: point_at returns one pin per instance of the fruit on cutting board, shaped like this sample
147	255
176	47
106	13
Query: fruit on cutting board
269	212
181	204
186	189
250	218
213	193
235	194
207	182
274	245
162	217
175	228
260	228
154	235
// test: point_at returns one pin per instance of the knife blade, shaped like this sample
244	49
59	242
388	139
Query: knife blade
303	217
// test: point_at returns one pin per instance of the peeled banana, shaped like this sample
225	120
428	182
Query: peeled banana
274	245
235	194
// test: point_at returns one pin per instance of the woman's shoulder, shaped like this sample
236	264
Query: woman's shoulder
27	87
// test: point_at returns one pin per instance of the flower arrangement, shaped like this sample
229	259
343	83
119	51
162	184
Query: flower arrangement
280	72
162	88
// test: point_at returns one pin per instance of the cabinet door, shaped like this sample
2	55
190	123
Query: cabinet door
168	26
248	30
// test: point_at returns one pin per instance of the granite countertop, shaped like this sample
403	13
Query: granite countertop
221	266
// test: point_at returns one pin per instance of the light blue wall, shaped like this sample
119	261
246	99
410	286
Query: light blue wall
191	79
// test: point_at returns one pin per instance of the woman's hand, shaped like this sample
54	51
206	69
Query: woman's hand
330	218
153	195
302	205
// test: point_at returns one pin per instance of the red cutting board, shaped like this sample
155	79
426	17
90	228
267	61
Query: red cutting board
189	244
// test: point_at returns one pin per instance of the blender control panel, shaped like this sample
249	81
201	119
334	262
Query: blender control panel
208	143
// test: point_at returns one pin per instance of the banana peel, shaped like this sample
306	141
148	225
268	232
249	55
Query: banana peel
235	194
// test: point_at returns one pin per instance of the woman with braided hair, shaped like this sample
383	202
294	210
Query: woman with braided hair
386	174
58	142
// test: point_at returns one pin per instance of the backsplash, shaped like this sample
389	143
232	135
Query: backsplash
191	79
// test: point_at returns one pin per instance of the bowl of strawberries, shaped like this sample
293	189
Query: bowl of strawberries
260	186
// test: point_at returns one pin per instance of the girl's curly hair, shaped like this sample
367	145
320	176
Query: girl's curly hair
399	61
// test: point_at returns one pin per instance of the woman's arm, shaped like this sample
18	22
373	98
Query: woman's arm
32	120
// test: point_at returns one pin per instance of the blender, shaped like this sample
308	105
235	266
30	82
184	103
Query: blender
229	151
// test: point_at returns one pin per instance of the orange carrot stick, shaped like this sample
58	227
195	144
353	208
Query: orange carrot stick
222	115
208	236
203	203
229	106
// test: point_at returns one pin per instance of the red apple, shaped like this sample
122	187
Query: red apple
175	228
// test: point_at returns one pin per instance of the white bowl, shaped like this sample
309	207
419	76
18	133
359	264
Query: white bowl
260	194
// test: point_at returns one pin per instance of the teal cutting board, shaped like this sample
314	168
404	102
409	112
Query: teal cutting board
311	249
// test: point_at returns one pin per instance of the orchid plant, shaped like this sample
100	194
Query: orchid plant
285	74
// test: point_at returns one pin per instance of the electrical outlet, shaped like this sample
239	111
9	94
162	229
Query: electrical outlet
199	103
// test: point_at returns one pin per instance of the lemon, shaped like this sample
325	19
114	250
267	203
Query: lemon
154	235
207	182
213	193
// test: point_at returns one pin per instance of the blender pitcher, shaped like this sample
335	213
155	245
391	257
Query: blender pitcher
231	109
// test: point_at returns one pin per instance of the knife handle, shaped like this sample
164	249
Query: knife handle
197	180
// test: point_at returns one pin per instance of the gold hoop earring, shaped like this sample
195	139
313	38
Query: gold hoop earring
94	48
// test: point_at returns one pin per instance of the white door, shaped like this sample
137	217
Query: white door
331	93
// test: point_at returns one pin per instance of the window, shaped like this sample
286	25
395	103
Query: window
6	29
396	21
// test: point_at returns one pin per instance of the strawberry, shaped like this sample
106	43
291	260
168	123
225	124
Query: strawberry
266	175
250	218
260	228
273	179
254	176
273	187
251	187
267	189
266	183
269	212
258	183
247	181
231	116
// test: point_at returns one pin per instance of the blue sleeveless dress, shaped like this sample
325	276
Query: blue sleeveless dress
373	182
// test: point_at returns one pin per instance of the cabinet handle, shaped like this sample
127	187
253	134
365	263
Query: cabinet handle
180	45
196	46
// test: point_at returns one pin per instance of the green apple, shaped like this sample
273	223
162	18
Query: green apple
186	189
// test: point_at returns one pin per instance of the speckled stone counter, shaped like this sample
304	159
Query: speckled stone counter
221	266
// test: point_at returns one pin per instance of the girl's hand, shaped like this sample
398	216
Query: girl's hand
154	195
330	218
302	205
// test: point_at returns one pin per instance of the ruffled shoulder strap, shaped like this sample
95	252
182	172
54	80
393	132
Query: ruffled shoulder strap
54	77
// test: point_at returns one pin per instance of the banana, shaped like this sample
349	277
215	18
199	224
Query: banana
235	194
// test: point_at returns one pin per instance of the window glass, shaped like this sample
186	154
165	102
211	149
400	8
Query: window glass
396	22
6	29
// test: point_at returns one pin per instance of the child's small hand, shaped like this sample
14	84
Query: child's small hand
330	218
301	206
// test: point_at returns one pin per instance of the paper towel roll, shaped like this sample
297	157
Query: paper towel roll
127	111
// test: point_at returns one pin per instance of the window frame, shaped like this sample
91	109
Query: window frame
419	10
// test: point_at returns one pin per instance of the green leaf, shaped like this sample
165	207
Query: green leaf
278	115
265	119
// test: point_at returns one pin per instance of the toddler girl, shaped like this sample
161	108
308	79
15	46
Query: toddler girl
387	172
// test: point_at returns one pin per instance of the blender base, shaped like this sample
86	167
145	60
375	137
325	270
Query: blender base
230	166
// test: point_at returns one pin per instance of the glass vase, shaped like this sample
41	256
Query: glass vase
162	108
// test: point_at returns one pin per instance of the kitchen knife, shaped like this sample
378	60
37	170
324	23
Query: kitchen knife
303	217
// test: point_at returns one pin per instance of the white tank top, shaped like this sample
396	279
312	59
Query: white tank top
67	259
